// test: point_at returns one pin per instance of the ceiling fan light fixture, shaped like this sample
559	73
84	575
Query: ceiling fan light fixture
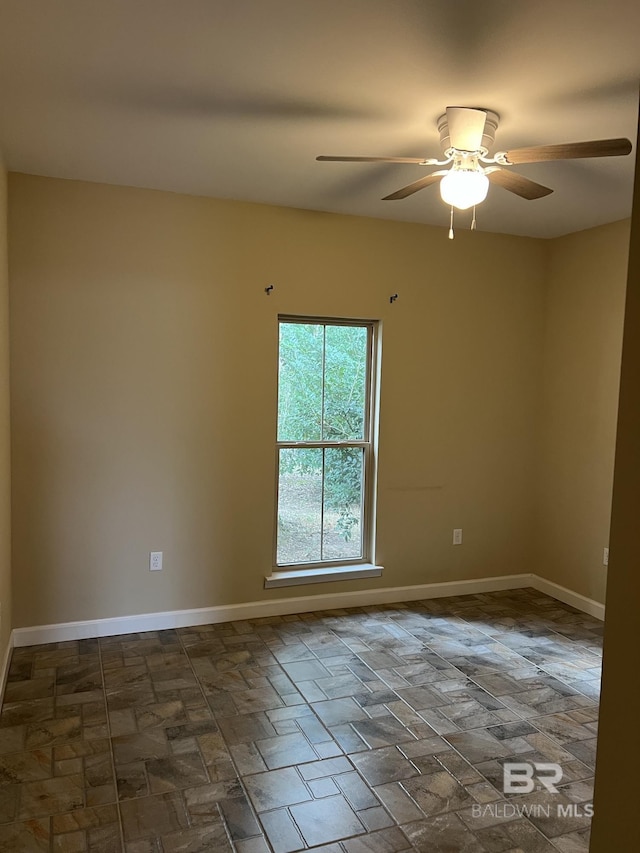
464	188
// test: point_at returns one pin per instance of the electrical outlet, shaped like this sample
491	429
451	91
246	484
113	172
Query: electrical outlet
457	536
155	561
605	557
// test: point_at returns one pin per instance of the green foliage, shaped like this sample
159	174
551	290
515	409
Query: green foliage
343	486
300	382
321	397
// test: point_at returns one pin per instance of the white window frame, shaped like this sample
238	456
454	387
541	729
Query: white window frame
333	568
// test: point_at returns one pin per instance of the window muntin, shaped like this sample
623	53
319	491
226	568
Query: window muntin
324	442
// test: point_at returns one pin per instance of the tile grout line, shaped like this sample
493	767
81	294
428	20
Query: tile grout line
233	762
371	611
109	737
345	755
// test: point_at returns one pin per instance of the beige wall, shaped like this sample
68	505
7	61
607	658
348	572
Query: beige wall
5	488
616	825
144	388
581	368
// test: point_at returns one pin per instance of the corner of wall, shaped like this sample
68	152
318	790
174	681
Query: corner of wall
5	450
580	370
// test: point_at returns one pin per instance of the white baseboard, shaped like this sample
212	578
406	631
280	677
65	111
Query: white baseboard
255	609
568	596
4	666
299	604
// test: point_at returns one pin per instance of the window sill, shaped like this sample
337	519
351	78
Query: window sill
295	577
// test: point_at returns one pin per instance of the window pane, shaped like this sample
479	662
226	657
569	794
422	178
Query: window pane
345	379
343	493
300	382
299	506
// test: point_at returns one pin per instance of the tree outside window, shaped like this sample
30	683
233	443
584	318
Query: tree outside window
325	452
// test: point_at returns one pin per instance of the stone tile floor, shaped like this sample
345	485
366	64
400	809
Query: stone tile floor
368	730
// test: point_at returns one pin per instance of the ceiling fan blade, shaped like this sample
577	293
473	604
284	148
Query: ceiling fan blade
569	151
420	184
517	184
465	127
421	161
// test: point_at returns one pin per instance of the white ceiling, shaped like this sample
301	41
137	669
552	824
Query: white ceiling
235	98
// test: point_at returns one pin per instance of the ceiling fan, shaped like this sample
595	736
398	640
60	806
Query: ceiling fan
466	135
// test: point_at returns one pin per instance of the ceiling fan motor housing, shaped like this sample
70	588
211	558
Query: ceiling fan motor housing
488	134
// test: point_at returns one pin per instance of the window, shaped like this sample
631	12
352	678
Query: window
325	442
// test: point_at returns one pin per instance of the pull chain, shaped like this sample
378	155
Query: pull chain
451	234
473	220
